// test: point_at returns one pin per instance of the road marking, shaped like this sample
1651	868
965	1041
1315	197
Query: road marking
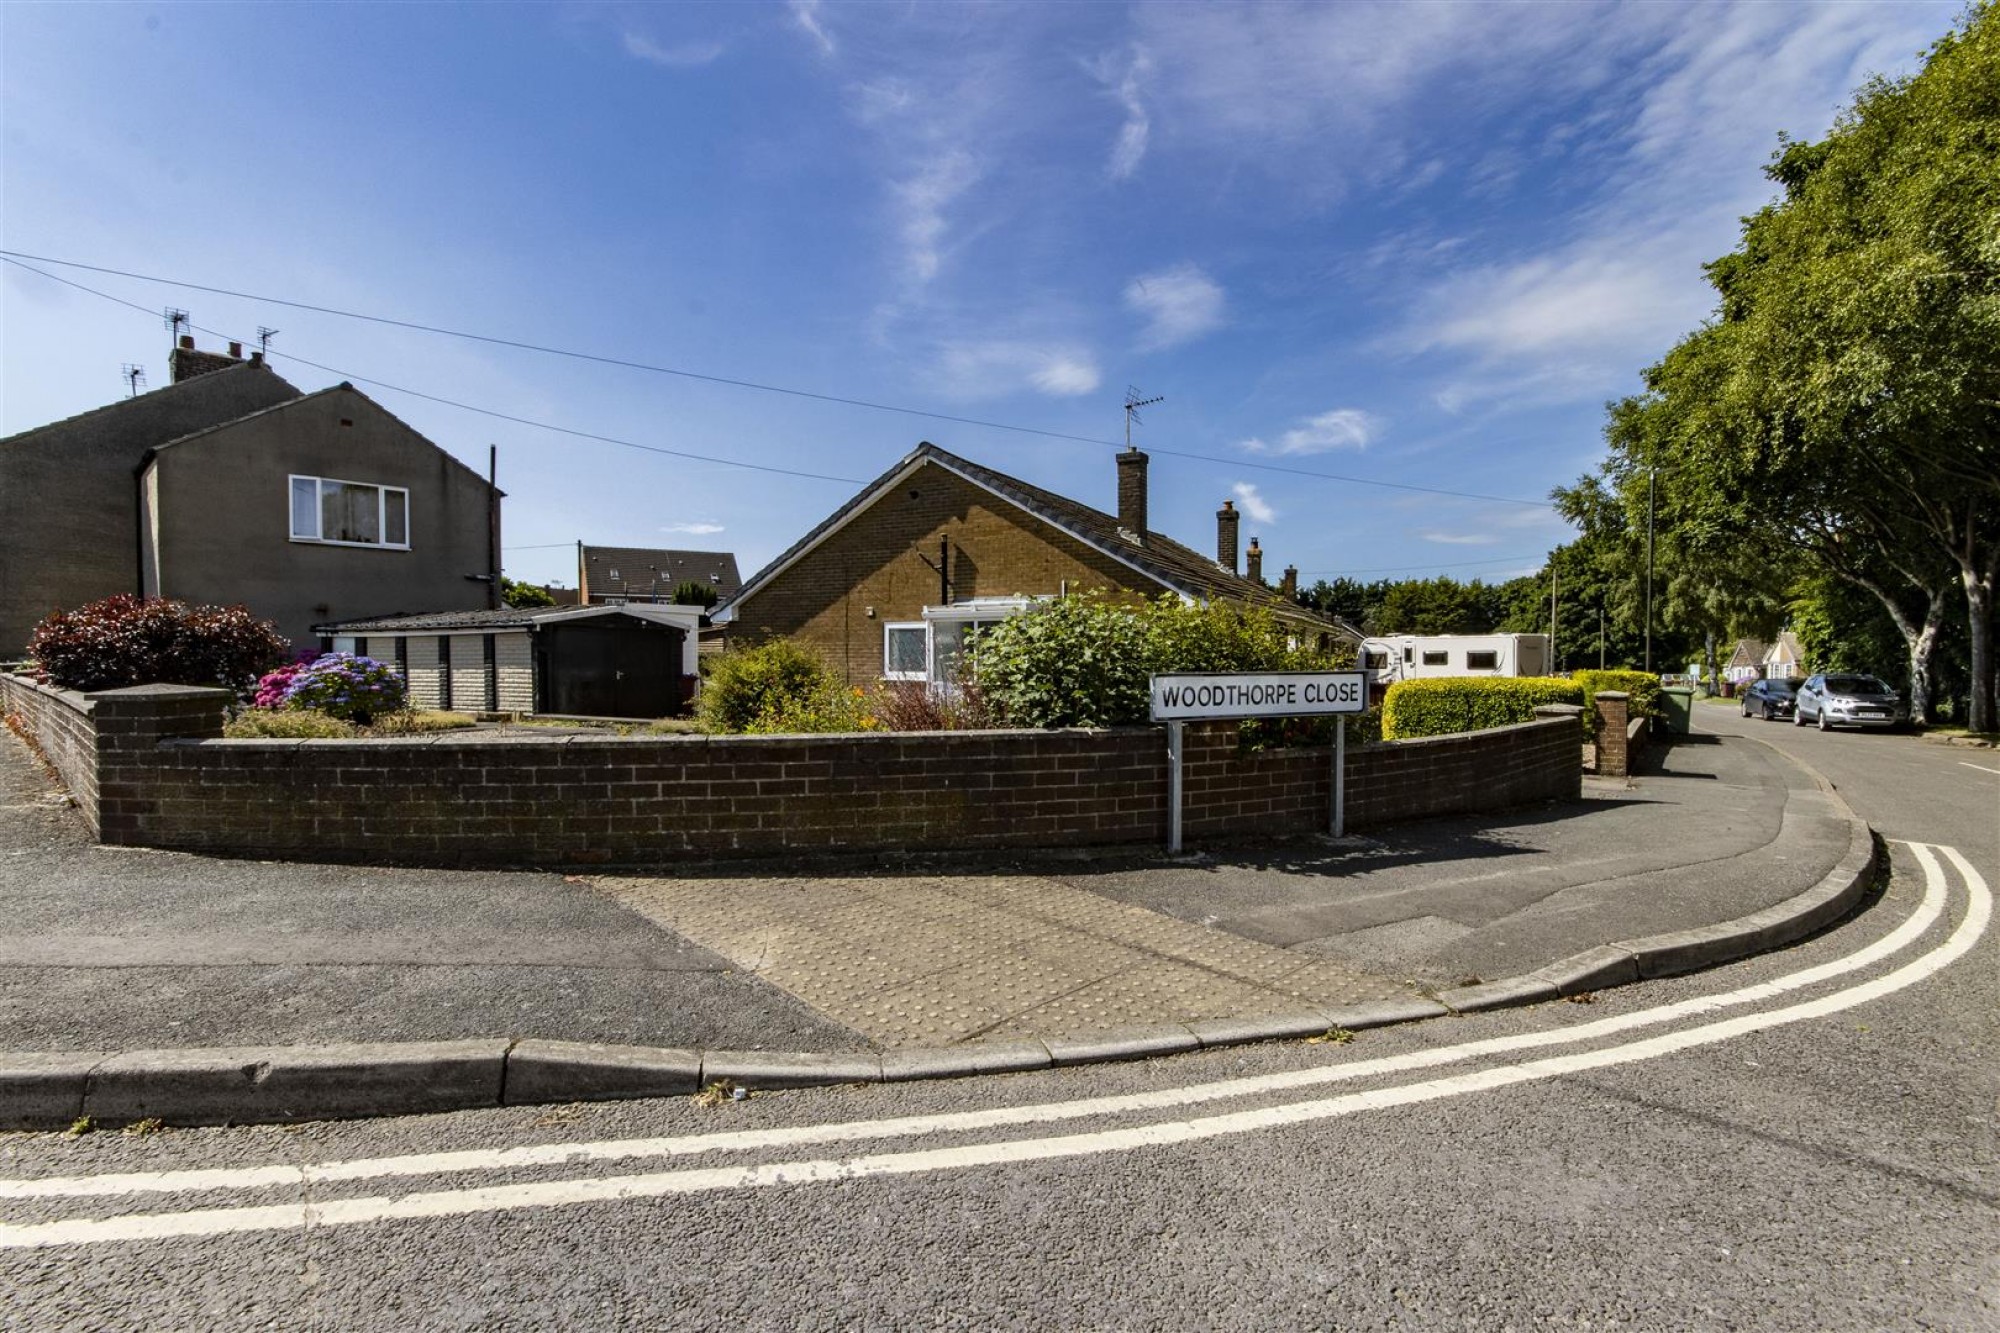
463	1202
561	1154
1981	767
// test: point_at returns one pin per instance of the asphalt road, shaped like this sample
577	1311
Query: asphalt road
1801	1141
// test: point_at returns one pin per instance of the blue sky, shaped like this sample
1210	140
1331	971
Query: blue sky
1409	243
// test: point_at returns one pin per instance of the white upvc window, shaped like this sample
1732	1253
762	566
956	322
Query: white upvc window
350	513
906	651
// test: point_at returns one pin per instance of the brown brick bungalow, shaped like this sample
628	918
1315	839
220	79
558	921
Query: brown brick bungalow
889	585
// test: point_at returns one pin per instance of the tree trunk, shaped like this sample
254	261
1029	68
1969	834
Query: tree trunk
1921	639
1979	623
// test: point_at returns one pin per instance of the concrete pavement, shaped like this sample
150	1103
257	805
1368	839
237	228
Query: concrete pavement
203	978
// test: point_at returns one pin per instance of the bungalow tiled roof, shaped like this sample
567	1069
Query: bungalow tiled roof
1174	567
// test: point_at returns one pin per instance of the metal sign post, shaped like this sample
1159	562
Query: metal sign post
1339	778
1180	699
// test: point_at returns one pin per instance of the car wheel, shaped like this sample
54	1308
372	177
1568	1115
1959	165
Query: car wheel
1824	725
1798	717
1769	716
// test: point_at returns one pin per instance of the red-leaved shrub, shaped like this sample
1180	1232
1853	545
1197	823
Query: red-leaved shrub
127	640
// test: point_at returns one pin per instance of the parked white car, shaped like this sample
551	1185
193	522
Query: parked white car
1839	699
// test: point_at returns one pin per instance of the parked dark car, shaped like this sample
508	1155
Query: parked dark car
1847	699
1772	699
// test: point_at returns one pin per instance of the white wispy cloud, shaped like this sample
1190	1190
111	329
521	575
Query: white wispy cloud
1458	538
1678	164
805	13
995	367
693	529
1179	303
1341	428
1254	504
921	202
1130	147
683	55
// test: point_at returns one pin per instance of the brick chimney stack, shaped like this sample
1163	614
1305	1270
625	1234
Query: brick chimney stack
1253	562
1289	585
185	362
1227	520
1132	491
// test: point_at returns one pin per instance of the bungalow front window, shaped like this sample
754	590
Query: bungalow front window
350	513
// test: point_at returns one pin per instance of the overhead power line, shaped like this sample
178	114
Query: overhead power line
727	381
351	377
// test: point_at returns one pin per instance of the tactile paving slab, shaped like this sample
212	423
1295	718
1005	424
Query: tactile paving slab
926	960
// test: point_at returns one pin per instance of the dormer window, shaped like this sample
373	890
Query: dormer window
350	513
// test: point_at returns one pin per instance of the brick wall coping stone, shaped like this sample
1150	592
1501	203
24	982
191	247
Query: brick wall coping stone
272	1085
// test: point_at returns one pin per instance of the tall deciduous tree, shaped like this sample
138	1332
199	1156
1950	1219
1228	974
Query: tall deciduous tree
1846	398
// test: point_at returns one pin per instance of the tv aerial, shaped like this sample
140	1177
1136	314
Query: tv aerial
1133	402
134	377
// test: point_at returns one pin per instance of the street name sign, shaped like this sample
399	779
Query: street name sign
1186	698
1180	699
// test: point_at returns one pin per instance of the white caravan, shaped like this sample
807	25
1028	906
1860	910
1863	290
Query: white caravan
1394	657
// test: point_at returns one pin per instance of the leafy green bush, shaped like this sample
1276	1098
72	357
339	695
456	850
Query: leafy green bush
1085	661
1072	662
1470	703
1643	686
690	592
127	640
342	685
288	724
775	687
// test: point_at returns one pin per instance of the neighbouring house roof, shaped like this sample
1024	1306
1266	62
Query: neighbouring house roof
1749	653
289	404
140	409
1174	567
1785	649
641	571
510	617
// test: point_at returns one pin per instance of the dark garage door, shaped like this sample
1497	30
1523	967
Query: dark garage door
611	667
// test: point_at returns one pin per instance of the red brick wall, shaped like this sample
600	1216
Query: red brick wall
163	779
62	724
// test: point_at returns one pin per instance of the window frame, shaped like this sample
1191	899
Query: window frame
382	493
1472	662
889	628
1435	657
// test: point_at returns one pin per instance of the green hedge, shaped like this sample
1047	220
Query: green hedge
1470	703
1643	686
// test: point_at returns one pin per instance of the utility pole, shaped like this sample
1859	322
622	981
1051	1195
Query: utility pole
1652	476
1552	616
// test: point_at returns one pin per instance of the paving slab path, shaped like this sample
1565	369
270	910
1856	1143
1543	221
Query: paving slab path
916	960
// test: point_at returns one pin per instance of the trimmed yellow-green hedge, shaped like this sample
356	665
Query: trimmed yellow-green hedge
1643	686
1470	703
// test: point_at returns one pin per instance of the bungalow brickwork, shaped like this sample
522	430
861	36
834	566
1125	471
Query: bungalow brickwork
888	584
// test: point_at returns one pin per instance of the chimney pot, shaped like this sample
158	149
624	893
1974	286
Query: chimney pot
187	341
1227	521
1132	491
236	350
1253	562
1289	585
